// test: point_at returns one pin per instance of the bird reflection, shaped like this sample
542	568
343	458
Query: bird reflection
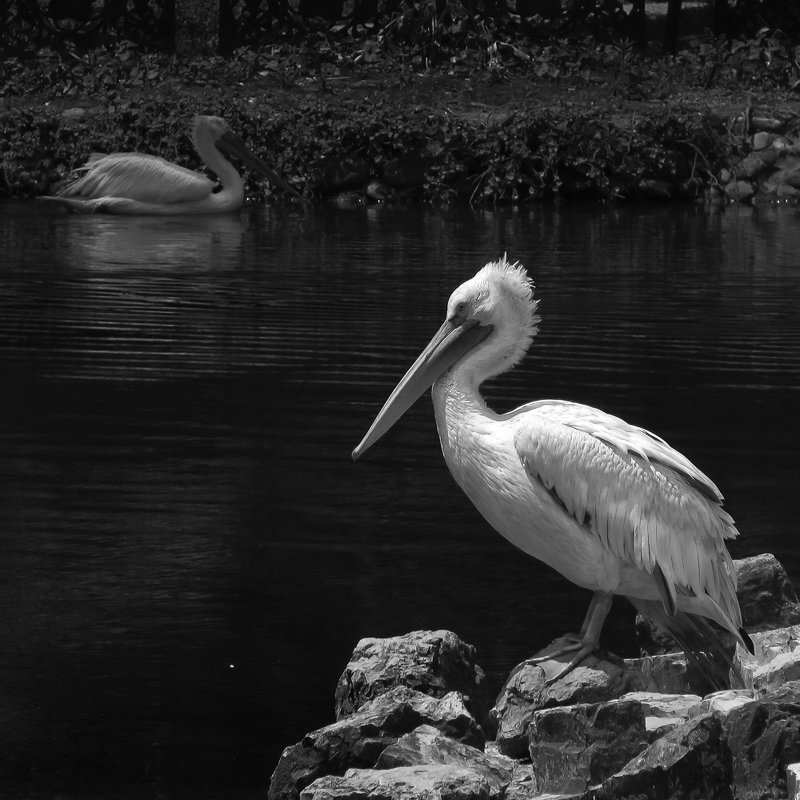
164	243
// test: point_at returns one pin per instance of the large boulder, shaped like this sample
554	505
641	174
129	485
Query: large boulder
764	739
691	762
427	745
766	595
526	691
432	662
578	746
360	738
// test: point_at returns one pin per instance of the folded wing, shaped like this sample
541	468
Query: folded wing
138	176
644	501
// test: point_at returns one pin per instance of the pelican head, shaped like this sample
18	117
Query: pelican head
491	320
214	132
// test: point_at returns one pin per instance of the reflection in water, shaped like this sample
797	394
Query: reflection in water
102	242
187	553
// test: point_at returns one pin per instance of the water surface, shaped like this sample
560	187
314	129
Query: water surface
187	553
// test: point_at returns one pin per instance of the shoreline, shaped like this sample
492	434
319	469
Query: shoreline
435	137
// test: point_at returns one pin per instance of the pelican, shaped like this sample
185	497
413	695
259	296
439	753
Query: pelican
610	506
137	183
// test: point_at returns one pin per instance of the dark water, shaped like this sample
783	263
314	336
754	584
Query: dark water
187	553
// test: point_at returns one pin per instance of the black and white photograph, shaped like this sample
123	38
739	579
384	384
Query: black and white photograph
399	399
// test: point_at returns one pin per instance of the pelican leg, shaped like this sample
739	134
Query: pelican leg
589	637
575	642
584	643
579	640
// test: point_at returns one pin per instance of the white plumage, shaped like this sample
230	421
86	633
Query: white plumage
142	177
610	506
139	183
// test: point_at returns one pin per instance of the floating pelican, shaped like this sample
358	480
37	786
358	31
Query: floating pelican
610	506
136	183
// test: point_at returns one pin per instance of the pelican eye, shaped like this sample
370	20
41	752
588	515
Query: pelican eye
460	312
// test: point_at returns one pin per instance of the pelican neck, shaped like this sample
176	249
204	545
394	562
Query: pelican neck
455	395
213	159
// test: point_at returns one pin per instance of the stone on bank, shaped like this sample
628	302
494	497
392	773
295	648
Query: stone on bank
411	722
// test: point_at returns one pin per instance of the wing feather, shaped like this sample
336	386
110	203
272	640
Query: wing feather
647	503
138	176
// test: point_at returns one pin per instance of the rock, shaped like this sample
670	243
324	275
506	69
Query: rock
428	745
722	703
403	783
770	644
776	659
661	704
765	593
762	140
668	674
664	712
774	167
793	781
592	681
749	167
690	763
523	783
432	662
768	156
792	178
764	739
578	746
657	727
378	192
609	729
769	677
655	189
767	124
787	192
358	740
739	190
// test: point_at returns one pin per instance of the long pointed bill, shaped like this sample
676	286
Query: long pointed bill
448	345
231	144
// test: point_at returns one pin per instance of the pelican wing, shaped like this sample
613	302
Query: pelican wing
138	176
644	501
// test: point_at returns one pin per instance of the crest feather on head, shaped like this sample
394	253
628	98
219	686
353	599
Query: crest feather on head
513	279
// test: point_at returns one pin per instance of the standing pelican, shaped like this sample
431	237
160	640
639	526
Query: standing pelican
137	183
610	506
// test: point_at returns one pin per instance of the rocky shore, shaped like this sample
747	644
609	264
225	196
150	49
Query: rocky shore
414	720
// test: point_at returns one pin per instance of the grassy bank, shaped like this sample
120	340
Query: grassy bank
493	126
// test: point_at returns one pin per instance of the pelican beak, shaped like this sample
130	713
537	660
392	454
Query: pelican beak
449	344
232	145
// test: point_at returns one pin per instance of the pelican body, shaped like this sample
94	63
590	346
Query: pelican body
610	506
137	183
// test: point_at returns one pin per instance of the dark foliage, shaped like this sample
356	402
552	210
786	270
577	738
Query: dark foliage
434	29
294	101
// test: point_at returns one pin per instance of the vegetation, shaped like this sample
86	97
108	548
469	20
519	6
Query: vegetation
429	107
